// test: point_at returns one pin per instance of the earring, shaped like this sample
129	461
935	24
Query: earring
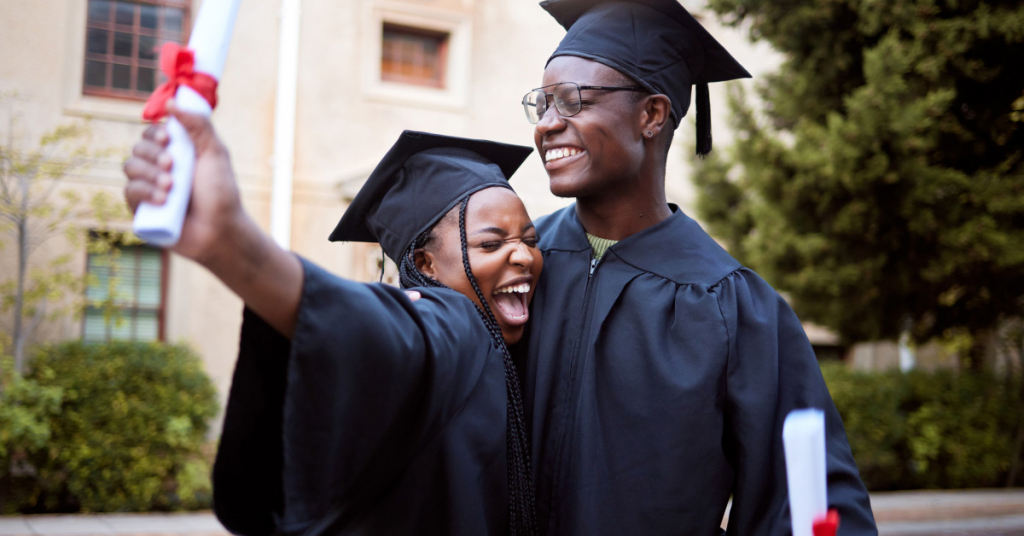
650	134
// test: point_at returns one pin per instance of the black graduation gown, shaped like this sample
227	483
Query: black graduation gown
379	417
656	387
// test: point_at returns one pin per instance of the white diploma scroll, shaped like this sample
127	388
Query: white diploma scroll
211	36
803	437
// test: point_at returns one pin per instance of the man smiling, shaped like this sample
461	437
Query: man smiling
657	370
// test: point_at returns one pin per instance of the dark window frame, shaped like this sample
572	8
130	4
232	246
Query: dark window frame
133	308
443	40
134	62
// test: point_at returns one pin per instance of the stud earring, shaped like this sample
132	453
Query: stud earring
650	134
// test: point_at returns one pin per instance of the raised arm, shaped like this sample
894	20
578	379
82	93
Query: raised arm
217	232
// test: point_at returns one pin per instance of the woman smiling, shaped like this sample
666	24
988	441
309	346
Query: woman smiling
354	410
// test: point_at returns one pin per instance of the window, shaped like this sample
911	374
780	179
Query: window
416	54
132	283
413	56
122	41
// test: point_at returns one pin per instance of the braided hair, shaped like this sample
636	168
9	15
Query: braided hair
522	517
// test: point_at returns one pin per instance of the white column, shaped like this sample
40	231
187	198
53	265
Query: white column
284	124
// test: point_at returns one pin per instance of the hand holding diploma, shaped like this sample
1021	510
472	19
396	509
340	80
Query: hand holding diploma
216	232
181	185
192	78
215	211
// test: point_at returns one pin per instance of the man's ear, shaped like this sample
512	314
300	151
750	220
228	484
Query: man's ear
425	262
655	115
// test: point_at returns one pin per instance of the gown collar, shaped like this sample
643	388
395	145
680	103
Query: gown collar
676	248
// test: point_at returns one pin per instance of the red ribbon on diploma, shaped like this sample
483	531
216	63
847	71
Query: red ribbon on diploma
177	62
827	525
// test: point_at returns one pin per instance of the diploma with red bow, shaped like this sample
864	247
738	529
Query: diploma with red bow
803	437
192	75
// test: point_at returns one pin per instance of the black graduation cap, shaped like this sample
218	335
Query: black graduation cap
420	179
657	43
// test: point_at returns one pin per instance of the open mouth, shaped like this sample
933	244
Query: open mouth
561	154
511	302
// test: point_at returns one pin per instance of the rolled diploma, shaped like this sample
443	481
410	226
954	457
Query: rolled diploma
803	438
211	36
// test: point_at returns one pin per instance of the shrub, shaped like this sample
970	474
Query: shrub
929	430
25	412
130	429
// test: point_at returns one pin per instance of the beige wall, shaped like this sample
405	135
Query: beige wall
346	119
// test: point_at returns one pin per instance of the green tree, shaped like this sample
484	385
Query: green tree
882	187
34	208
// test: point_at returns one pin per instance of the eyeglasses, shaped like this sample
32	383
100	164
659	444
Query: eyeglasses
565	95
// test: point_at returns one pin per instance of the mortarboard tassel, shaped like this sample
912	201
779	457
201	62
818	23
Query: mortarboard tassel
703	120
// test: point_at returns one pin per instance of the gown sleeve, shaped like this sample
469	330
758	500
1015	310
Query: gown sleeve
333	416
772	370
247	473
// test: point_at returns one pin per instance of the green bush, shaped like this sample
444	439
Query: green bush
930	430
25	412
129	432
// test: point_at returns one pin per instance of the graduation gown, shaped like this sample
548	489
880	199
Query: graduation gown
380	416
656	384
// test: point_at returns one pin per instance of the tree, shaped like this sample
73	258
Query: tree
34	208
883	186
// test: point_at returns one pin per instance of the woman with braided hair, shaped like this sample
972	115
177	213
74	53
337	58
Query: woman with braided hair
354	410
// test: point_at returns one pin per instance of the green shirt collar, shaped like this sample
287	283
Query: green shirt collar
599	245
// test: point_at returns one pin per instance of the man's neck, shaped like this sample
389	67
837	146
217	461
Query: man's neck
616	217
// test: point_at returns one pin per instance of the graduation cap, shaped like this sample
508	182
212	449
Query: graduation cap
419	180
657	43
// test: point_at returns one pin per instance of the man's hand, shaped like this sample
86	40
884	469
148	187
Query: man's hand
215	212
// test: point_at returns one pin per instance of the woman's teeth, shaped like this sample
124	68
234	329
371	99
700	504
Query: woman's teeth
522	289
555	154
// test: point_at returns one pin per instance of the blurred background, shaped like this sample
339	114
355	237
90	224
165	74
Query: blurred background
872	171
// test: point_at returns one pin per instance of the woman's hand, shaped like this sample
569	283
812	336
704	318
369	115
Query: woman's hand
215	213
217	233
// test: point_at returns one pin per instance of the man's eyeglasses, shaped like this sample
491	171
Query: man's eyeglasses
566	97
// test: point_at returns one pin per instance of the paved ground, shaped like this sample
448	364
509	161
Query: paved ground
915	513
198	524
950	513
